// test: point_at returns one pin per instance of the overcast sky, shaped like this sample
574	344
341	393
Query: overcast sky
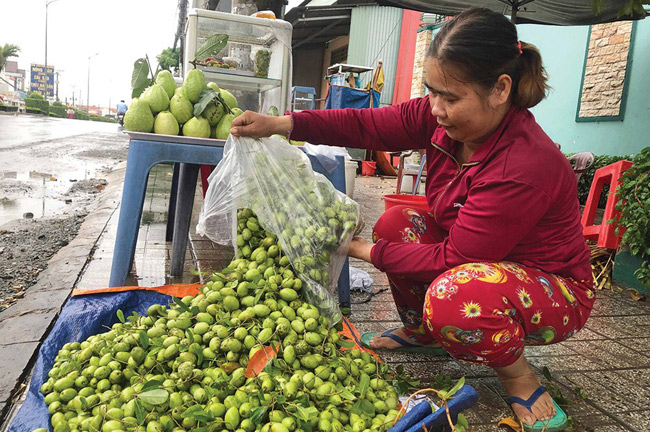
120	31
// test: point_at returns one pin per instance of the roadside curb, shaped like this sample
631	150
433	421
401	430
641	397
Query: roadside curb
25	324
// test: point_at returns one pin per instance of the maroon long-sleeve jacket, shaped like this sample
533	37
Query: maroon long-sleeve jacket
514	200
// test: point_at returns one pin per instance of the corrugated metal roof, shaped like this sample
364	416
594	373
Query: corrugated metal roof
316	3
374	35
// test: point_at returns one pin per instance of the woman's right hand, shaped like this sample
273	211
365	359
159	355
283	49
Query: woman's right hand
254	125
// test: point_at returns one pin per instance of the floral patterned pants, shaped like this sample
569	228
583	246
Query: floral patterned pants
481	312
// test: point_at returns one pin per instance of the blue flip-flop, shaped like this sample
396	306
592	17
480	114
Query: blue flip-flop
558	423
405	345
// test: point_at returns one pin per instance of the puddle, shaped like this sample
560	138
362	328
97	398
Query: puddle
40	193
11	209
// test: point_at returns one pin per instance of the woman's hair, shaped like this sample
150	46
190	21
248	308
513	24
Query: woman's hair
482	45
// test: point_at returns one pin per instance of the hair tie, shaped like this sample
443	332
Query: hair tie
519	46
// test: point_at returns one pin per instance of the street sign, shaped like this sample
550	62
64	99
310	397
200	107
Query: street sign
42	80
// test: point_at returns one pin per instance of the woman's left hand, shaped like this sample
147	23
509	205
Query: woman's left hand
360	248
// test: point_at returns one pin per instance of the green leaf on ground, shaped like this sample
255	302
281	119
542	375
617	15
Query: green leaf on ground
461	423
140	414
144	339
154	397
346	344
454	389
197	413
150	385
181	304
364	383
257	414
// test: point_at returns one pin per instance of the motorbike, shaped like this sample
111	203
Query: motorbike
120	118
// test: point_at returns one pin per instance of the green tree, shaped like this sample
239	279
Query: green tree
631	8
8	50
169	58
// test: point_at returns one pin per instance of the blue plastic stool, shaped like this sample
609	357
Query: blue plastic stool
144	155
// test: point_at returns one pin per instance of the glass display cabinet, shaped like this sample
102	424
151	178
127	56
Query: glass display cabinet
255	64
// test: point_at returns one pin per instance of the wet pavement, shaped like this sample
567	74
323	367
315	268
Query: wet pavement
607	362
42	158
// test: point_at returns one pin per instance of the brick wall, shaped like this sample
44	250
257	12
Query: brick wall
602	89
421	46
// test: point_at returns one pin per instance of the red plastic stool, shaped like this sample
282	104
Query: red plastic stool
603	234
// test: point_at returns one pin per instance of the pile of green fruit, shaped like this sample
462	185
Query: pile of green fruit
186	366
165	109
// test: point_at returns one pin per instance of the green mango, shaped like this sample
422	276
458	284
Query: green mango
157	98
138	117
194	84
229	98
181	108
213	112
223	127
166	80
166	124
197	127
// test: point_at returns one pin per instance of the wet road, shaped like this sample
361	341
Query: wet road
21	130
42	158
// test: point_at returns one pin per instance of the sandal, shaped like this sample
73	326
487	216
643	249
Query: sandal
405	345
558	423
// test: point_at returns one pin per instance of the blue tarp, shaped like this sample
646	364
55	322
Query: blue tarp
80	318
346	97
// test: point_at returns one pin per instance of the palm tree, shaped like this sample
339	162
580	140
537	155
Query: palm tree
9	50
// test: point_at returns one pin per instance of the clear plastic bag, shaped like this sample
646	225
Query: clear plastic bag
313	221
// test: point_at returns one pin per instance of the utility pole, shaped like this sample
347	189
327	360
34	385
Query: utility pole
47	3
110	91
88	90
56	92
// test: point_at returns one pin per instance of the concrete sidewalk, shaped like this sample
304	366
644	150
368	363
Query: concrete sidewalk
608	360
